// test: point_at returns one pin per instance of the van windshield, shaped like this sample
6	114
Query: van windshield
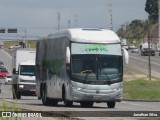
27	70
3	70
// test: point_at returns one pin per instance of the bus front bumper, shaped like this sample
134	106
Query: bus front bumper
96	96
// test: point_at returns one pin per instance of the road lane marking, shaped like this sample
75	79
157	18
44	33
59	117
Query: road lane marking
145	60
155	58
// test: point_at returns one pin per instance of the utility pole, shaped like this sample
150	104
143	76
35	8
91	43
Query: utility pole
69	23
149	51
159	20
110	13
58	17
24	38
75	20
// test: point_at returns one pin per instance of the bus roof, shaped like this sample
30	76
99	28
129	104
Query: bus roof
87	35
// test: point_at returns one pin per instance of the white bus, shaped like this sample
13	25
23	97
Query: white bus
80	65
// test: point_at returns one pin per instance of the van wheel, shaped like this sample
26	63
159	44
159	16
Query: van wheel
86	104
111	104
15	94
39	98
18	95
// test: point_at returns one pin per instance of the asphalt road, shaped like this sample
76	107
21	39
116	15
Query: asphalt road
121	106
141	63
32	103
6	58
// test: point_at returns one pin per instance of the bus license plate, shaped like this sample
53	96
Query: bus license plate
96	97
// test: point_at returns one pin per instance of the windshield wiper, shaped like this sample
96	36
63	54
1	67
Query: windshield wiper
112	81
108	82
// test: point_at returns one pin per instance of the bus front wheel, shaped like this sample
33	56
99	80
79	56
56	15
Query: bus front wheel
66	102
111	104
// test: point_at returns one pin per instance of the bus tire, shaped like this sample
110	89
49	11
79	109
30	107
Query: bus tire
54	102
45	100
86	104
111	104
66	102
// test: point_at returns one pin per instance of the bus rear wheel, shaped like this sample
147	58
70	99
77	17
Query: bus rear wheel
45	100
111	104
54	102
86	104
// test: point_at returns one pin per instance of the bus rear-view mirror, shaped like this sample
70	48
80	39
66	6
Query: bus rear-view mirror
126	56
68	55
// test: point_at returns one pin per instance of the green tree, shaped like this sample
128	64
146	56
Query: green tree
136	30
152	9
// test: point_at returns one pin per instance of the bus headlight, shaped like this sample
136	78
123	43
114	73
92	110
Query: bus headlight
78	89
115	89
21	86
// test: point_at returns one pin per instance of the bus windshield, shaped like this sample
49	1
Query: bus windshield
27	70
96	67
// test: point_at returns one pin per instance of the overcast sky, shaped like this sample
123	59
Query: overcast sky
40	16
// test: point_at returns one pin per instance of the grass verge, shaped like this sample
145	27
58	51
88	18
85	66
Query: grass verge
30	43
141	89
6	107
